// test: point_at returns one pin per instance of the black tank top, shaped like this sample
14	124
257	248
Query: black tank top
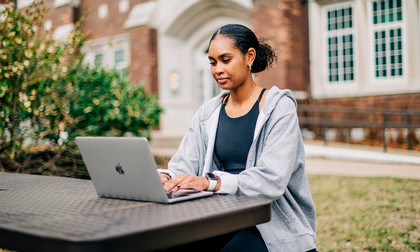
234	137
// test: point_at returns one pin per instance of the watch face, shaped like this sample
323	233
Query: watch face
211	176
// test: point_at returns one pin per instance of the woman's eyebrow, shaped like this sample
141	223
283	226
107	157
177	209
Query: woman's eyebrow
221	56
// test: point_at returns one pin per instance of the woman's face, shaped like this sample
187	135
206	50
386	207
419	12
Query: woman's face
229	66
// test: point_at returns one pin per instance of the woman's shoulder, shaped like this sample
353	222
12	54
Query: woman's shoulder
210	106
279	99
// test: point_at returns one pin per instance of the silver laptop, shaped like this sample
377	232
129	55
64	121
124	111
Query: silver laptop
124	168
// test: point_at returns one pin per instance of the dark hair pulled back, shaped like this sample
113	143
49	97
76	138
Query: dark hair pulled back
244	39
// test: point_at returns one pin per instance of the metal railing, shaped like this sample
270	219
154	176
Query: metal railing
322	118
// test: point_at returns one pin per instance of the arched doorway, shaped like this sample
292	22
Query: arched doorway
185	81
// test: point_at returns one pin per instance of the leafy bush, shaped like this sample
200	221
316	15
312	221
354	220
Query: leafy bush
33	66
48	97
103	103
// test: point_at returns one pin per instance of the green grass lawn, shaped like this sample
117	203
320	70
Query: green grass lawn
366	214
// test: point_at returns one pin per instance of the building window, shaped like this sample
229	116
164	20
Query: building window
24	3
123	6
361	48
119	56
109	53
99	59
340	42
102	11
48	25
386	11
387	19
120	63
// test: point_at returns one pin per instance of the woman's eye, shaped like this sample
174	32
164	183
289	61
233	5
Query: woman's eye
212	63
226	60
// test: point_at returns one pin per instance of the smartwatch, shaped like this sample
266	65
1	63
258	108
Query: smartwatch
213	181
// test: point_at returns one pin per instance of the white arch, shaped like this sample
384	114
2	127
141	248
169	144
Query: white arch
201	12
183	35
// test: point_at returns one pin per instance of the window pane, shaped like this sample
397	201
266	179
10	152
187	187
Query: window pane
380	50
347	56
392	72
339	19
332	60
99	57
119	56
383	4
340	44
386	11
388	53
399	16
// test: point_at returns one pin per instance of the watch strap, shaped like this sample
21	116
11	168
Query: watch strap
212	185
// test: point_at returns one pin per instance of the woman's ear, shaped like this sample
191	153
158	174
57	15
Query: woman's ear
250	56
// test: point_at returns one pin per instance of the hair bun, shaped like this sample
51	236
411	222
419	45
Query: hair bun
265	57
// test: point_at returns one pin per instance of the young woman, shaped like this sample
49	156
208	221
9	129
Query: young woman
249	140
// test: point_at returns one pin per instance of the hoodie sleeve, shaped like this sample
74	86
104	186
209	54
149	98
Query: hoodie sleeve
276	161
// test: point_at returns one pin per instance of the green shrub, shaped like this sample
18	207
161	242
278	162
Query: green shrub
48	97
33	66
103	103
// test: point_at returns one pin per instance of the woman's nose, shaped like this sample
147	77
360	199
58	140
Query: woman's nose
218	69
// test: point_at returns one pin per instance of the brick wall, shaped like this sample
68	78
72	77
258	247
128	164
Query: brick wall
60	16
144	57
112	24
283	23
143	39
397	102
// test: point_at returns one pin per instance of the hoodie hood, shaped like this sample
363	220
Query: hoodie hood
273	96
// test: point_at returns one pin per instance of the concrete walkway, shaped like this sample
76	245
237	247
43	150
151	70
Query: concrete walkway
360	160
338	159
359	155
361	168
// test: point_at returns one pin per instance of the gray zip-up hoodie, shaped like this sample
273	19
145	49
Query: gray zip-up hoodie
275	168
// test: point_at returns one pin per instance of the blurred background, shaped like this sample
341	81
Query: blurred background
352	65
137	67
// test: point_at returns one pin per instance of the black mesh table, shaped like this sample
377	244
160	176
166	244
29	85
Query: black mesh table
43	213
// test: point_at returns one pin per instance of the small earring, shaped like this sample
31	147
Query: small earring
250	65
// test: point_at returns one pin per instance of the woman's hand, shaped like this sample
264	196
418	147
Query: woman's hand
184	181
164	177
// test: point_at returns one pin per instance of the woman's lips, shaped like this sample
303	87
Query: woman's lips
222	80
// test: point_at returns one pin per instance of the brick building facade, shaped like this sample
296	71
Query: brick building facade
287	33
358	54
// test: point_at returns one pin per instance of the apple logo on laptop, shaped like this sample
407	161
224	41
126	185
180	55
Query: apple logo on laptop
119	169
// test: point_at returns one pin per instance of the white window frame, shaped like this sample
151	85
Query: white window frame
123	6
73	3
339	34
97	52
103	11
389	82
107	47
365	81
121	66
24	3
